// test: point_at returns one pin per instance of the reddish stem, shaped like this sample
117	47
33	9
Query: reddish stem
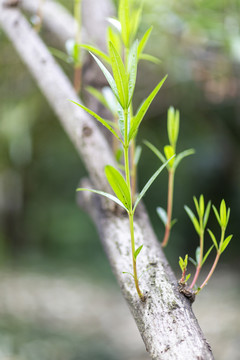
169	207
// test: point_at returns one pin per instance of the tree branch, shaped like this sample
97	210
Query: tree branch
165	321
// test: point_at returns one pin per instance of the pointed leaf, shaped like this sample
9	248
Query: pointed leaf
162	214
126	272
213	239
144	40
148	184
173	222
97	52
201	206
187	277
225	243
206	215
121	123
196	205
114	38
109	196
110	100
151	58
155	151
181	263
193	261
223	213
136	253
182	155
115	23
118	185
132	70
138	152
123	15
207	254
134	21
108	76
97	117
120	75
197	254
143	109
193	219
169	152
173	126
217	215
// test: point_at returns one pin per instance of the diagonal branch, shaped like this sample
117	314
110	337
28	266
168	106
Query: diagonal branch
165	321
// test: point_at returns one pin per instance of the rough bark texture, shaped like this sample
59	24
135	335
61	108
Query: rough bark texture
166	322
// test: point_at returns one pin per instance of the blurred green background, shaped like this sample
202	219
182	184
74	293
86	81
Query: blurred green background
44	236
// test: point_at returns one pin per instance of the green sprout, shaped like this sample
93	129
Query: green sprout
183	266
122	80
173	121
200	225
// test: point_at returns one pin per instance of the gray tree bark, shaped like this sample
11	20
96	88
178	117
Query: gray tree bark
165	320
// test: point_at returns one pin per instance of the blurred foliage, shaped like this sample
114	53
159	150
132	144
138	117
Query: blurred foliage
198	42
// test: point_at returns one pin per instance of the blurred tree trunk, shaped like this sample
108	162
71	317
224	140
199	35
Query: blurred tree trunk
165	320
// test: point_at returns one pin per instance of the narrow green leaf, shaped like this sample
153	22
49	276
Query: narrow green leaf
126	272
151	58
217	215
138	152
225	243
201	206
123	15
134	21
193	218
173	126
155	151
197	254
118	185
186	260
114	38
109	196
60	55
148	184
196	205
143	109
193	261
144	41
206	215
101	120
228	215
121	123
173	222
223	213
136	253
207	254
182	155
213	239
132	70
120	75
110	99
169	152
162	214
94	50
98	95
181	263
108	76
115	23
187	277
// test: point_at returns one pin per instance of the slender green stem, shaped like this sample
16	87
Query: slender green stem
130	214
199	266
169	207
215	261
140	294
